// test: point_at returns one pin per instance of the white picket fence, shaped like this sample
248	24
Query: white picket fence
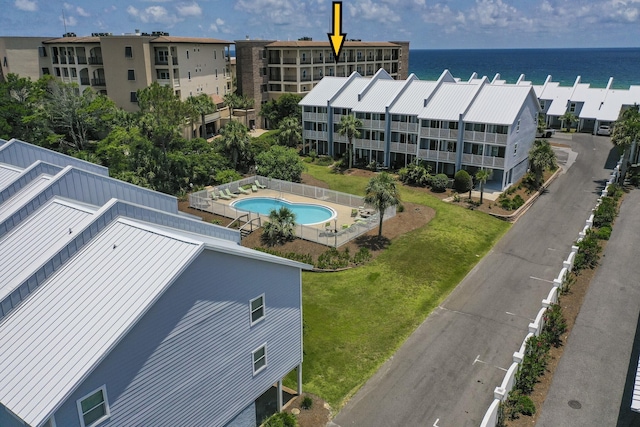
501	393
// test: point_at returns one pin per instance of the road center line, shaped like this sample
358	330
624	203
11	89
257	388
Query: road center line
542	280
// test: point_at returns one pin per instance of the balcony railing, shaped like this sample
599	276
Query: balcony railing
274	61
318	61
85	81
98	82
82	59
162	61
95	60
305	60
315	117
305	79
439	133
404	126
368	144
313	134
480	160
289	60
399	147
494	138
290	79
372	124
443	156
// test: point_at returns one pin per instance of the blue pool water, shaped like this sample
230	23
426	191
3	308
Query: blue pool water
305	213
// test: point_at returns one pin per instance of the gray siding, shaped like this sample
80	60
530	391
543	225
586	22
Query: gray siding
188	361
525	137
22	154
246	418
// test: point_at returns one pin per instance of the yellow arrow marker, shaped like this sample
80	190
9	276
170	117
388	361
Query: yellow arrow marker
337	38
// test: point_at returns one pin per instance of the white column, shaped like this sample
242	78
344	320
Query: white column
299	379
279	395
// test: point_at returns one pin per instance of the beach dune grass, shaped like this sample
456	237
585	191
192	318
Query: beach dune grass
356	319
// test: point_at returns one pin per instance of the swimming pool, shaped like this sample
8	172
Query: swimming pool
306	213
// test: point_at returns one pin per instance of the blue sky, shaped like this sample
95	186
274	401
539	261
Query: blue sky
449	24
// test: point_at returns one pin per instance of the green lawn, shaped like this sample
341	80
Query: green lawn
356	319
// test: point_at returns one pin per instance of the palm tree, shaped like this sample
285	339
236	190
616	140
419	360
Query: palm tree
541	157
245	103
382	193
202	105
568	118
482	176
626	131
231	100
350	127
280	228
290	132
235	138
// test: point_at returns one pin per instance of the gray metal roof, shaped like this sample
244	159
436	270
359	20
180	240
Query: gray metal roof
411	102
499	104
92	293
449	101
23	196
323	91
349	96
37	239
381	93
8	174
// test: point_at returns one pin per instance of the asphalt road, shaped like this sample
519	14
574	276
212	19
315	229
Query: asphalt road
593	384
445	373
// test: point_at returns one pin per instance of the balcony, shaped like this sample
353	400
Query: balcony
480	160
399	147
305	60
289	60
290	78
95	60
493	138
162	61
98	82
275	61
442	156
313	134
368	144
439	133
82	59
315	117
404	126
373	124
84	81
305	79
318	60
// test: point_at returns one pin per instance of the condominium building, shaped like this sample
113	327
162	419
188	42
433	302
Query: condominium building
266	68
24	56
448	123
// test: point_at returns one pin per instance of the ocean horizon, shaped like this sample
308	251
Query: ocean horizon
594	65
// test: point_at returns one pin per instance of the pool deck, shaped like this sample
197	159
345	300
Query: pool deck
343	212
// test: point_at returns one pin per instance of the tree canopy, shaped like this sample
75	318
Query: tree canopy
541	157
281	163
277	110
350	127
381	193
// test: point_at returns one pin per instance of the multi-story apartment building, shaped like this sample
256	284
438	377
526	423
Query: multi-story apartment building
266	68
25	56
450	124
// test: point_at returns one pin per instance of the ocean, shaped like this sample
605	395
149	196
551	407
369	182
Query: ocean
594	65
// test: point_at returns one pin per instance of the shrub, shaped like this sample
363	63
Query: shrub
530	182
304	258
400	208
415	174
227	175
604	233
307	402
363	255
533	364
615	191
517	202
333	259
281	419
462	181
313	155
554	325
439	183
588	252
324	161
605	213
520	404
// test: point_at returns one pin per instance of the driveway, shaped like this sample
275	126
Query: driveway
594	381
445	373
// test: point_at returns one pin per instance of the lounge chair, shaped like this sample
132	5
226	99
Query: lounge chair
243	191
224	196
230	194
254	188
260	185
213	195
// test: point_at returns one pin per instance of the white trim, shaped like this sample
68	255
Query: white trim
105	401
253	359
251	310
51	422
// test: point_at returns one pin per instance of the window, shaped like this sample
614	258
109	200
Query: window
93	408
134	96
45	71
65	72
131	75
515	149
74	72
572	107
162	74
256	307
42	51
259	357
518	126
542	104
187	54
128	52
57	70
214	54
189	74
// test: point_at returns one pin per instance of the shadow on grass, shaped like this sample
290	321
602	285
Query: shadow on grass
373	243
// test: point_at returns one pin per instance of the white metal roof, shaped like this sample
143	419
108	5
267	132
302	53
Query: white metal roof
23	196
323	91
85	308
411	102
381	94
499	104
349	96
449	101
592	104
37	239
8	174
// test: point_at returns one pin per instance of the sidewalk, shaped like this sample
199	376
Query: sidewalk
594	381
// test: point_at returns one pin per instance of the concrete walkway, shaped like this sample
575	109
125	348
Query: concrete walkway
594	381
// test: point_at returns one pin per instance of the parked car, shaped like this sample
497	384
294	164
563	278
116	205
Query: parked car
545	133
604	130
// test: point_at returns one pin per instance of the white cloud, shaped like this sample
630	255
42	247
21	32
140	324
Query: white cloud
69	21
278	12
27	5
370	11
153	14
219	26
82	12
494	13
185	9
